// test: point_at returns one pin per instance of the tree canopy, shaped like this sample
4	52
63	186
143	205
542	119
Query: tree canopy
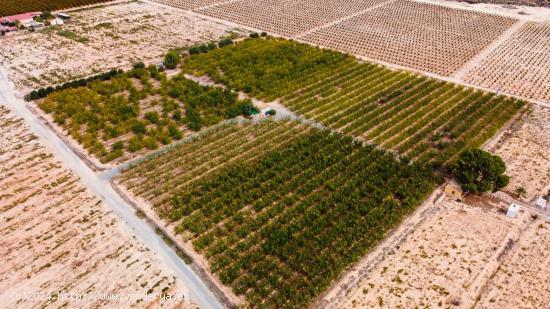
479	171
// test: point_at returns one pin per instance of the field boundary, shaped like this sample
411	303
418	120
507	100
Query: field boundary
334	295
484	53
371	60
345	18
198	269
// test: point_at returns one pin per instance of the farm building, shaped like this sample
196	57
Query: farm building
513	211
453	190
57	22
25	19
541	202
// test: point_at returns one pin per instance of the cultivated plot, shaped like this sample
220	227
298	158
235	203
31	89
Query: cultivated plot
287	17
519	66
421	36
137	111
191	4
56	236
278	210
421	118
99	39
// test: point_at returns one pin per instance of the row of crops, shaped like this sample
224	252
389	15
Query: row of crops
12	7
418	117
267	68
140	109
279	209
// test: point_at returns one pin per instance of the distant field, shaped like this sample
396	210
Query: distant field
12	7
520	65
421	36
419	117
286	17
279	209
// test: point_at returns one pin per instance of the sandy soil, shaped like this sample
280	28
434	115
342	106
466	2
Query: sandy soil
57	237
450	259
522	279
525	147
98	39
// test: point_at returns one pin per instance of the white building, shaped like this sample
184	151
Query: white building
541	202
513	211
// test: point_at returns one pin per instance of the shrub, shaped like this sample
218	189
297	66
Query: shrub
171	60
225	42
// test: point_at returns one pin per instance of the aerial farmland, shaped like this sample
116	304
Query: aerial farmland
274	154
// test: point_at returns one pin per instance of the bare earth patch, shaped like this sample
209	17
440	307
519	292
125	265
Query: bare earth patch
437	263
98	39
525	147
57	237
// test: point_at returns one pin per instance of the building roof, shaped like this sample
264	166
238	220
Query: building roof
24	16
541	202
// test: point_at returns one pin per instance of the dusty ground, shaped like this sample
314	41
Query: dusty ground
99	39
452	258
525	147
522	280
57	237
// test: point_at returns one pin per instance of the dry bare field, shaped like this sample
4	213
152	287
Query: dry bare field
56	236
459	252
287	17
421	36
525	147
98	39
519	66
522	279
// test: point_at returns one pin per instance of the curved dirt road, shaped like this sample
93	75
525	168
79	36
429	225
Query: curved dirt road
101	187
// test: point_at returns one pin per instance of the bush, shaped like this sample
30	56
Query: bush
225	42
479	171
254	35
264	34
171	60
139	65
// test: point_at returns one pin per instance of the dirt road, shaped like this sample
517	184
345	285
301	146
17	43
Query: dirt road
101	187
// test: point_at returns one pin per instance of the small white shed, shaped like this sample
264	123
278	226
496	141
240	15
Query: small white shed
513	211
541	202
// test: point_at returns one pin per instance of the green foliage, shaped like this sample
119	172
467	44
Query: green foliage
171	60
296	209
266	68
110	105
479	171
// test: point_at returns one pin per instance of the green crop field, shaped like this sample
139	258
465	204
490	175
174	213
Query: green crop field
420	118
12	7
140	109
279	209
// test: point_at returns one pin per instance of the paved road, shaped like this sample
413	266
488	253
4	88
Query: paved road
101	187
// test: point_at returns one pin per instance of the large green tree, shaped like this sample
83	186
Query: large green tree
479	171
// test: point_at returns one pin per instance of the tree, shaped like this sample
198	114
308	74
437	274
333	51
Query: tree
479	171
520	192
171	60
